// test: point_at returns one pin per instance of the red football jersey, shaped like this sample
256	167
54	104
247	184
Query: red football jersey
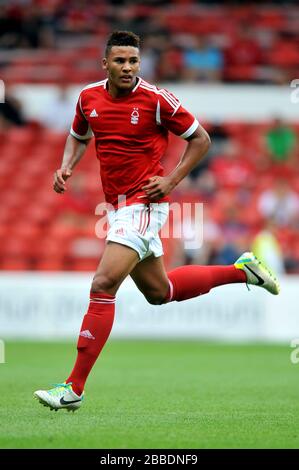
131	135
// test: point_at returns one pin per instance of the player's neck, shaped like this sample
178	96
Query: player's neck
116	92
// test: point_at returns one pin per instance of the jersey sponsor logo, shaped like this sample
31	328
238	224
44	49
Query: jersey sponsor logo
135	116
93	113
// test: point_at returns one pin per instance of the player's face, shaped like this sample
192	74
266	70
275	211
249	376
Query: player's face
122	65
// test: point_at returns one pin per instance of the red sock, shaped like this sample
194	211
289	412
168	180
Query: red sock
190	281
95	330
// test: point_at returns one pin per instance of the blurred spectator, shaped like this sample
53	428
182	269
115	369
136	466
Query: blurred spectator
219	137
205	183
225	253
243	56
59	112
203	62
36	27
148	66
10	26
280	203
230	169
11	112
171	64
29	25
232	226
281	143
77	202
211	238
197	232
266	247
235	232
284	54
125	18
244	49
155	25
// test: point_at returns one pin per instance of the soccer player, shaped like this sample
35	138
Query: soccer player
130	120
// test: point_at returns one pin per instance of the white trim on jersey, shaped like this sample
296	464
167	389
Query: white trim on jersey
149	85
168	96
158	116
102	300
170	290
88	135
139	80
92	85
171	100
191	129
175	103
176	109
81	108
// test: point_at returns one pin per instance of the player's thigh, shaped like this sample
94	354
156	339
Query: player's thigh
116	264
151	278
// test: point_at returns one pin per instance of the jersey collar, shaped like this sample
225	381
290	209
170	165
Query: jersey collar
138	81
137	84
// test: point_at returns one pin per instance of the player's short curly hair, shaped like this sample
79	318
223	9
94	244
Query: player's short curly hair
122	38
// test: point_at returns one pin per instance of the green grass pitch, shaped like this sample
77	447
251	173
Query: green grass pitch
154	394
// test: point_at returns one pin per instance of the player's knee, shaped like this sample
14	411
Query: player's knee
157	298
103	283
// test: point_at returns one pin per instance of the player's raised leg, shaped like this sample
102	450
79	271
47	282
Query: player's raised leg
117	262
190	281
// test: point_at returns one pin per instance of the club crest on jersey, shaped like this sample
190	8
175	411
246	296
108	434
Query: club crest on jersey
135	116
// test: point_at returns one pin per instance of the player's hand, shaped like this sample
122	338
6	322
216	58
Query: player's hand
60	177
158	187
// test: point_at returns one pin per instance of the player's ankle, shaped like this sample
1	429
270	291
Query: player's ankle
76	389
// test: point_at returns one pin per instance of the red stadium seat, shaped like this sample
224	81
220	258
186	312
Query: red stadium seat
50	264
51	248
16	247
273	19
51	138
21	136
12	264
84	265
25	230
244	73
284	54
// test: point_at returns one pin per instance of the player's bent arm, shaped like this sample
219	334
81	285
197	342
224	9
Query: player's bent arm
73	152
198	145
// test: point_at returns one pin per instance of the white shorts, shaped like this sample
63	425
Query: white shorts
137	226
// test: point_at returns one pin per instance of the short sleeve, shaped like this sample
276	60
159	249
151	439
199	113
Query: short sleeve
171	114
80	127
